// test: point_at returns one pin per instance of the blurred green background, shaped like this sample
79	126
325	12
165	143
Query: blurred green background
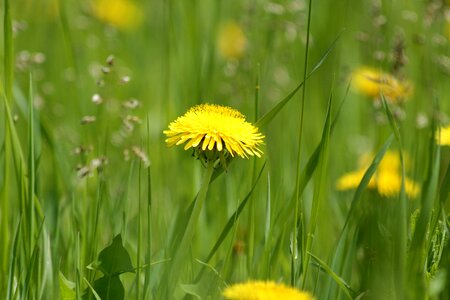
109	76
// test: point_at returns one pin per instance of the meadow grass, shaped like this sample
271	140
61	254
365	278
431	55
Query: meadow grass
95	205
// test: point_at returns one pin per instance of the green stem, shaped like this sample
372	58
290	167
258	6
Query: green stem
294	255
252	217
182	250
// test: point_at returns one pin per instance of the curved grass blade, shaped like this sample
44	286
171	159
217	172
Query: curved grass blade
318	188
8	51
345	287
420	241
14	255
311	165
231	222
268	116
400	239
366	178
346	233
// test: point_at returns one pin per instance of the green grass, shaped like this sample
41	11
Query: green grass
70	188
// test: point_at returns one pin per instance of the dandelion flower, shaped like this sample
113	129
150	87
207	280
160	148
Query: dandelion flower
122	14
386	180
444	136
352	179
215	129
373	83
264	290
231	41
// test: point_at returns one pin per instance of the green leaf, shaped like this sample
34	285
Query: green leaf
114	259
66	288
107	287
192	289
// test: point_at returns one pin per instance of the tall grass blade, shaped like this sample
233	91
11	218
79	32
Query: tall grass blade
12	261
348	231
148	257
268	116
231	221
31	164
8	50
420	241
357	197
400	239
318	188
8	67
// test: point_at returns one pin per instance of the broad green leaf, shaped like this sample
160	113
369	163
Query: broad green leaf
192	289
66	288
107	287
114	259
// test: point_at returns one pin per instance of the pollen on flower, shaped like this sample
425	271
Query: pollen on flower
264	290
375	83
210	127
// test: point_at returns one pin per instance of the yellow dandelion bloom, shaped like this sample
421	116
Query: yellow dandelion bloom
386	180
373	83
231	41
444	136
122	14
210	127
264	290
352	179
389	184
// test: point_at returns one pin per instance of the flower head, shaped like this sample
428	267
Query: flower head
123	14
216	129
387	179
264	290
444	136
231	41
373	83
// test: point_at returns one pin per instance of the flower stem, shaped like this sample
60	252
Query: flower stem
183	248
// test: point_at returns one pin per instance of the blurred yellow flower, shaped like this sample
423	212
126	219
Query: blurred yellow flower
122	14
264	290
386	180
231	41
210	127
444	136
373	83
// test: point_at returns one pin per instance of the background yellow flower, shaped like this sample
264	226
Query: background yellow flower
373	83
123	14
231	41
444	136
264	290
386	180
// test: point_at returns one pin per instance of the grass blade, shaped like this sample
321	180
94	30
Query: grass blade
318	188
268	116
418	248
231	221
345	287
